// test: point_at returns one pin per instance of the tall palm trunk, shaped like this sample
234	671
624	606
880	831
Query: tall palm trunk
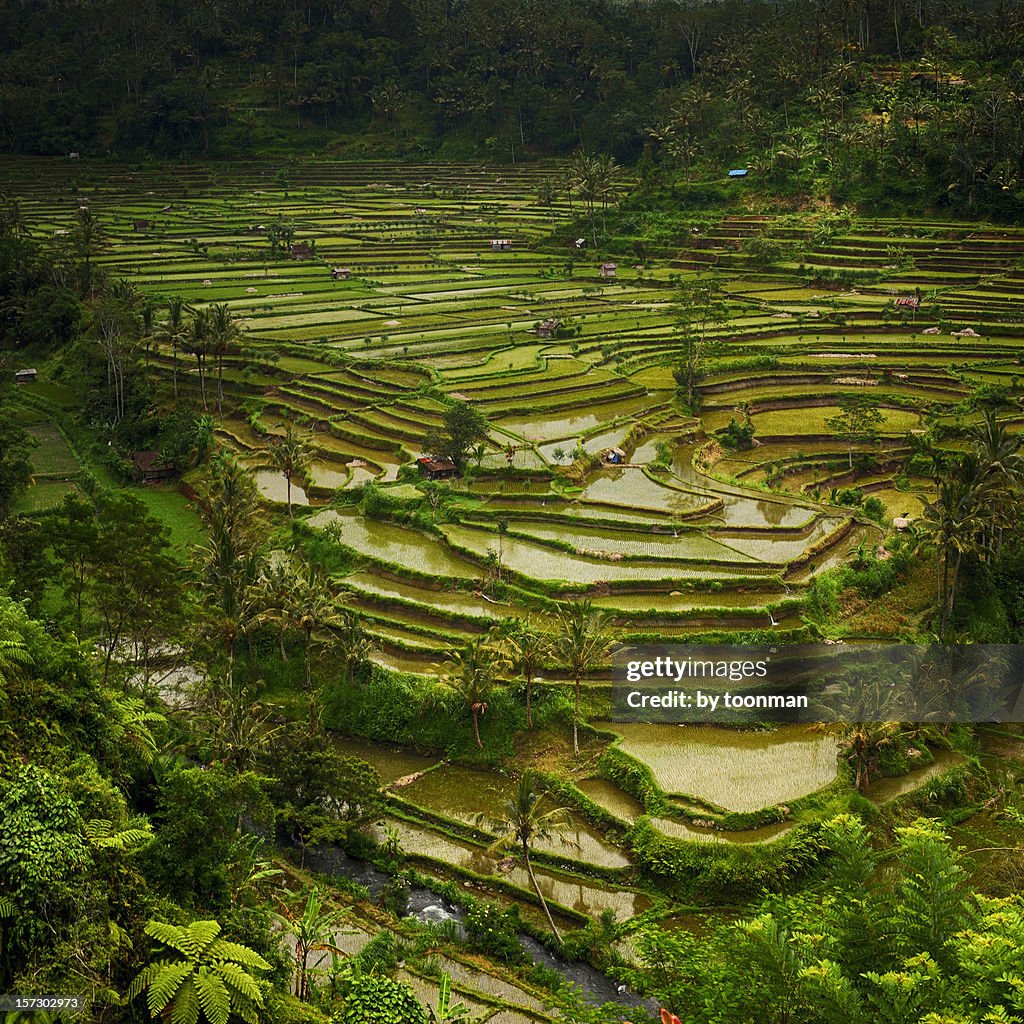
540	895
202	382
476	726
576	720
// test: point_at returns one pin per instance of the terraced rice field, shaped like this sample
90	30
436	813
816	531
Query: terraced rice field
427	313
680	541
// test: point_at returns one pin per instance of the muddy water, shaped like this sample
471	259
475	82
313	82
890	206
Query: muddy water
393	544
456	601
682	830
465	793
392	762
570	424
543	563
273	486
881	791
611	798
633	489
688	545
328	474
740	771
685	600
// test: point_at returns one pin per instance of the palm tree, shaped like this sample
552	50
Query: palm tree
174	332
581	645
229	579
524	647
239	725
1000	473
583	171
951	525
502	525
199	976
224	331
471	675
524	819
314	607
605	178
230	564
313	927
275	587
198	343
354	644
290	454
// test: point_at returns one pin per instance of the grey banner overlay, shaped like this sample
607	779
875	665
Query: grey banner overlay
732	684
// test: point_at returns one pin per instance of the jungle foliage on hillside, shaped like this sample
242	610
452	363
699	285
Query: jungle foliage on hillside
919	99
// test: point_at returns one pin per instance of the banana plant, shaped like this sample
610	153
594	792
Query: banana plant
447	1012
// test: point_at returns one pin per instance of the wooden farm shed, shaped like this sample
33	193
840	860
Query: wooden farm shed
301	251
435	469
25	376
150	468
500	244
547	328
341	273
140	225
608	269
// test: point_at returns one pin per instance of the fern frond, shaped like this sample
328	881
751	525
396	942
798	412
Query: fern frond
204	934
165	986
234	977
186	1006
234	952
172	935
142	980
213	996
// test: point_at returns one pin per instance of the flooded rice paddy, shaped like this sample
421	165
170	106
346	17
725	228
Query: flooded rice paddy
585	896
739	771
478	797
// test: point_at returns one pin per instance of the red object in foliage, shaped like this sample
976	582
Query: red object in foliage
669	1018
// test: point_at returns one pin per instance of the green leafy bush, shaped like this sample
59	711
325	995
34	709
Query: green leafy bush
493	931
375	999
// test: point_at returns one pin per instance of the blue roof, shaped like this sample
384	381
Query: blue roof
740	172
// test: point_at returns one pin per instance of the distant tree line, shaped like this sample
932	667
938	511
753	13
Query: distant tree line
885	93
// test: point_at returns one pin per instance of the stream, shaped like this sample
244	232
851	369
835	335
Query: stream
429	907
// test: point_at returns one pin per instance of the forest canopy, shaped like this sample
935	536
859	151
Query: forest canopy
905	95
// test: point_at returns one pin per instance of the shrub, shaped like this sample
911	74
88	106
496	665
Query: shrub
493	932
374	999
875	509
737	436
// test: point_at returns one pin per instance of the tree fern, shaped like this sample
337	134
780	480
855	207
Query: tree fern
200	976
238	981
929	904
165	985
100	834
186	1006
213	996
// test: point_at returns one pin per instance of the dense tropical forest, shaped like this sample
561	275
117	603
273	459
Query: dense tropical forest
368	373
904	101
